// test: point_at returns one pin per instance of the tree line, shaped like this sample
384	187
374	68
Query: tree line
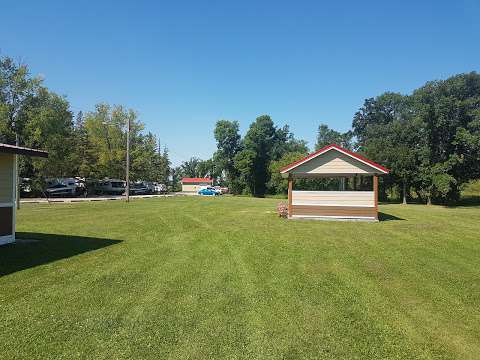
430	139
90	144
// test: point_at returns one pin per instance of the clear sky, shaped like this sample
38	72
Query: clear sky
183	65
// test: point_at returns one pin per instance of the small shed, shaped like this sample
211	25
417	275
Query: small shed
334	161
8	186
195	184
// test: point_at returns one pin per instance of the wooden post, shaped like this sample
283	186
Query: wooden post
290	189
375	194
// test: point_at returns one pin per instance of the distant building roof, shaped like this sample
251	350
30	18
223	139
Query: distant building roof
12	149
196	180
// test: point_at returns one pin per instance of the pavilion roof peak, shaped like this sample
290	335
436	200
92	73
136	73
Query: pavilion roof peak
334	147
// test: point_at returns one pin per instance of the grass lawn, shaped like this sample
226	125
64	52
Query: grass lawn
224	278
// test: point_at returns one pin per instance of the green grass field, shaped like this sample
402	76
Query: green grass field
225	278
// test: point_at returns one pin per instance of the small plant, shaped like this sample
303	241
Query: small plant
282	210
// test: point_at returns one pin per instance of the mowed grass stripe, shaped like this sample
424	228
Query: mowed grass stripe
225	278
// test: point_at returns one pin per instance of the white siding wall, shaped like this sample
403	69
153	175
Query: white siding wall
195	187
190	188
334	198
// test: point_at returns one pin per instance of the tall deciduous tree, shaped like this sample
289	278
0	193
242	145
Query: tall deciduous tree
228	141
285	142
430	140
254	160
161	170
106	127
450	113
190	168
84	154
388	134
49	125
17	88
327	136
379	111
278	184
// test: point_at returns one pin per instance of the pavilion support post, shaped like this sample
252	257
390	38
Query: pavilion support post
375	194
290	189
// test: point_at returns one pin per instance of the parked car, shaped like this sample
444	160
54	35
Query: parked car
26	187
216	189
212	188
62	187
160	188
110	187
150	186
221	189
207	192
139	188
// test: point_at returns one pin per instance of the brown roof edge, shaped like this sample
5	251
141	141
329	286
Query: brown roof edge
12	149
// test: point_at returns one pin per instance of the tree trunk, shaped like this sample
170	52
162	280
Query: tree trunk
429	200
404	202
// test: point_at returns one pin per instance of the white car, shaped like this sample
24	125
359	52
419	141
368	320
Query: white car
160	188
62	187
110	186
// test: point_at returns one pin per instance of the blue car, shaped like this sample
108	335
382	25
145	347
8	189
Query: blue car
207	192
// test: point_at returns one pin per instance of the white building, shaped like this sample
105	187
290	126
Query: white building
8	188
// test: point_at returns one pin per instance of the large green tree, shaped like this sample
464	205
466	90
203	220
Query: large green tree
450	114
31	115
327	136
254	160
279	184
263	144
284	142
389	134
430	140
85	159
377	111
106	127
48	125
161	170
17	88
228	140
94	145
191	168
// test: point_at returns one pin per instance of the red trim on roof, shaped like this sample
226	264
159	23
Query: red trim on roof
341	149
196	180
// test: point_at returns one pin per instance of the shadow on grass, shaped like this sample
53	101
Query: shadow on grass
33	249
469	201
388	217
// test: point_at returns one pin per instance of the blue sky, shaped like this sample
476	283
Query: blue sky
183	65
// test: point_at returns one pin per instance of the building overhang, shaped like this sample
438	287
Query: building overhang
18	150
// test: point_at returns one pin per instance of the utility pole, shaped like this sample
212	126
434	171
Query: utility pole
17	194
128	161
